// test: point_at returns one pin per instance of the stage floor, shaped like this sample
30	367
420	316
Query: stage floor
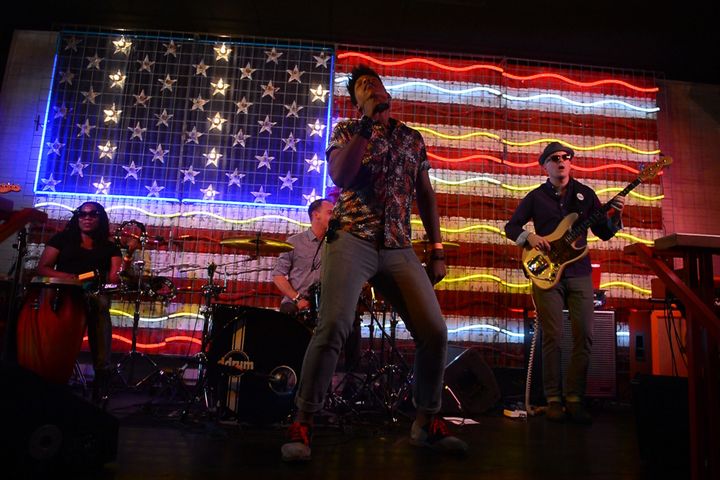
156	441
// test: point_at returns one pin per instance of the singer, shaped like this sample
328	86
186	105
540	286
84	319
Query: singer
381	166
84	246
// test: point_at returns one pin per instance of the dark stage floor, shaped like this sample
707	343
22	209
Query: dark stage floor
155	441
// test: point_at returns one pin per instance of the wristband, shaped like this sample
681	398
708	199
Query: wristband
437	254
296	299
365	127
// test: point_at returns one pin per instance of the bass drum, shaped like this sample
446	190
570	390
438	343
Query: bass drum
254	361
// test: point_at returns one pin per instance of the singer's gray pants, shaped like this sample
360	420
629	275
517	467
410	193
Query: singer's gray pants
347	263
577	292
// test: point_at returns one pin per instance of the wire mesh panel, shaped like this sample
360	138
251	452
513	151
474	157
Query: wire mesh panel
204	138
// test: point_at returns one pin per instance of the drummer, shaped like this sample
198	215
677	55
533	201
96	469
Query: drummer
298	269
85	246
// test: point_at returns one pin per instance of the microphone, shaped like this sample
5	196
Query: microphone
211	269
380	107
333	227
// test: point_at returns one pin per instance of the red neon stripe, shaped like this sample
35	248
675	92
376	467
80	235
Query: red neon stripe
581	84
531	164
478	66
151	346
425	61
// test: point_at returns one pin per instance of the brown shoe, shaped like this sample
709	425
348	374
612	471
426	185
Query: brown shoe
577	413
555	412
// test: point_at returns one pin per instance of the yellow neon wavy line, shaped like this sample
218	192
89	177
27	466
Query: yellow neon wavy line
500	232
534	142
633	193
123	313
626	236
458	137
486	276
519	188
629	285
496	279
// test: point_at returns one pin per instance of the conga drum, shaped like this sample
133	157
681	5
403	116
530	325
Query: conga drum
50	327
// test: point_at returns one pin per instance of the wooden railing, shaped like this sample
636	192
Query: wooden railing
697	293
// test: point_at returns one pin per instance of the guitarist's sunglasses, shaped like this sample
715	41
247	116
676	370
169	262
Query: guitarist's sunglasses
556	158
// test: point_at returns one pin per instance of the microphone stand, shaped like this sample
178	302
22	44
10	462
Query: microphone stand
9	343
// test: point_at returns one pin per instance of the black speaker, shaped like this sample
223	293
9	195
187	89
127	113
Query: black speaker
47	428
663	423
470	387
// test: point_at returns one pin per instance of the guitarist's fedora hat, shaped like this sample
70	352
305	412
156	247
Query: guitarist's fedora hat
554	147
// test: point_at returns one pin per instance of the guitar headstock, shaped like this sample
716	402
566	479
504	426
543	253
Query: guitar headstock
9	187
651	170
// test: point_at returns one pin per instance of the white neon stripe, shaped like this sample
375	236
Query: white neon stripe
492	96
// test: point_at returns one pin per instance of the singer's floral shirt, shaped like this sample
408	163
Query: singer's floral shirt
378	205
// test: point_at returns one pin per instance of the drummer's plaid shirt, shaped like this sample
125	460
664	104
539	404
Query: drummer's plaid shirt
377	207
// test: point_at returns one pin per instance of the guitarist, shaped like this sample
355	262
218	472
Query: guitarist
546	206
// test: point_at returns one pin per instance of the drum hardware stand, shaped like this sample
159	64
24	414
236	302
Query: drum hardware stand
202	390
390	383
133	354
380	386
79	377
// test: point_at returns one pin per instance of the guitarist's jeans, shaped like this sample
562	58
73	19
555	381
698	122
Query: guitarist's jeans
577	293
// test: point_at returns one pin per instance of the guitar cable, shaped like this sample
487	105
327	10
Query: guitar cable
529	409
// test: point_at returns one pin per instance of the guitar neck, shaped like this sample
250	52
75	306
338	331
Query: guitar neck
573	233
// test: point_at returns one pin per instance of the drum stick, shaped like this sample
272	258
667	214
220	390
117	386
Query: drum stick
86	276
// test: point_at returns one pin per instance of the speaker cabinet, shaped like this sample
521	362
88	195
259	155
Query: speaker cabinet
470	387
601	377
47	428
663	427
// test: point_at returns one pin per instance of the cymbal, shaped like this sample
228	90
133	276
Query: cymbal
257	244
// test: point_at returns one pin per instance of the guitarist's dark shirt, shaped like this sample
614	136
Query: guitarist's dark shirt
547	209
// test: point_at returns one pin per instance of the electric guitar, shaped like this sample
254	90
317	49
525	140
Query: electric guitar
544	269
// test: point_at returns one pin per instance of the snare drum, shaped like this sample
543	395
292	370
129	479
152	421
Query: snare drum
50	327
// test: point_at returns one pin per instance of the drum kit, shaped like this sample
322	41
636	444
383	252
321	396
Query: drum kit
268	374
155	287
50	318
